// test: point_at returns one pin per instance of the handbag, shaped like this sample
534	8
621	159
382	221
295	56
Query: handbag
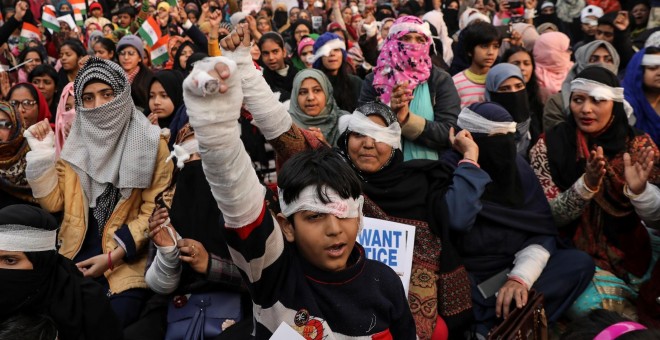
524	323
203	315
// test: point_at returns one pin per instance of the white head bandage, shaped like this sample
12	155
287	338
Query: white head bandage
358	122
651	60
598	91
590	14
183	151
475	123
16	237
308	200
411	27
653	40
325	50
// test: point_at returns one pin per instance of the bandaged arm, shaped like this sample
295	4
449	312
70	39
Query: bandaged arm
164	274
647	204
41	171
529	264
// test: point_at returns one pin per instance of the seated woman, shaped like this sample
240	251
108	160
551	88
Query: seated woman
580	164
505	85
408	192
512	229
597	52
313	107
29	103
14	188
165	97
36	280
423	97
109	172
642	90
190	254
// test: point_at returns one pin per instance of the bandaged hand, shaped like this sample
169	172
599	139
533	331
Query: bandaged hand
40	136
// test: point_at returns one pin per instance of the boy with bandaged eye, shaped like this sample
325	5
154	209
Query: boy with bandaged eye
303	267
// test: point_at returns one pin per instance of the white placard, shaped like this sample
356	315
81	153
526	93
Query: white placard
391	243
288	3
252	5
285	332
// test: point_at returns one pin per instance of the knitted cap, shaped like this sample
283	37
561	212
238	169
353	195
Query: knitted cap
322	41
304	42
95	5
133	41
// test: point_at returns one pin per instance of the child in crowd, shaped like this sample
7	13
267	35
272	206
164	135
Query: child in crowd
318	282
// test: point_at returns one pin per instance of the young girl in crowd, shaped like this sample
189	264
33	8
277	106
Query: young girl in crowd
165	97
44	78
36	56
70	52
278	70
104	48
109	172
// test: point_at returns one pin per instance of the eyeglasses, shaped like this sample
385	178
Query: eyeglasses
129	53
6	124
301	32
27	104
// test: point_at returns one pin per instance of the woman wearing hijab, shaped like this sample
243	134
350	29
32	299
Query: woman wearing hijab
14	188
39	281
553	61
165	97
436	19
63	8
505	85
513	229
423	96
415	192
580	164
66	113
641	88
313	106
596	52
29	103
185	50
109	172
297	31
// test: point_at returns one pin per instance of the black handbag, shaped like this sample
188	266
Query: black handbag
198	316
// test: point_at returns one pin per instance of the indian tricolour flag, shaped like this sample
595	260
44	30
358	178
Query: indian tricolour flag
49	19
159	50
78	17
79	4
29	32
150	31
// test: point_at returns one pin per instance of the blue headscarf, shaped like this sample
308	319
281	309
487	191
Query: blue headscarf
633	89
59	6
498	74
322	40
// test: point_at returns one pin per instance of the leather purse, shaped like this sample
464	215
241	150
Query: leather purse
527	323
204	315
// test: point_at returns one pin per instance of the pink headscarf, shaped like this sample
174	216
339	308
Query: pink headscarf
399	61
63	117
553	61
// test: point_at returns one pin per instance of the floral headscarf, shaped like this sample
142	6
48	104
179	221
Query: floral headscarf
12	156
400	61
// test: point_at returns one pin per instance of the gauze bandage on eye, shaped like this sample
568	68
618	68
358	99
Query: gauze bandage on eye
183	151
651	60
15	237
598	91
308	200
325	50
475	123
358	122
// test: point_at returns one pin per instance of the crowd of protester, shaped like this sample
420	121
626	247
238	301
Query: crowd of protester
218	158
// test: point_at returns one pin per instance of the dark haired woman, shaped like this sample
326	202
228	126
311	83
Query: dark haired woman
295	33
278	69
29	103
71	51
180	62
36	55
331	58
44	78
105	48
131	54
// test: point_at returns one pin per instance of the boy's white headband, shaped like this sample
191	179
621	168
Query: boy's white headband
308	200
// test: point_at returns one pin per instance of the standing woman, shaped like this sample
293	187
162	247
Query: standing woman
131	54
165	97
109	172
523	59
278	70
70	52
29	103
14	188
642	90
313	107
553	61
331	58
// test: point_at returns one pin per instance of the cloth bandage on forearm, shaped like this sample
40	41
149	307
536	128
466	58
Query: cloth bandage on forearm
183	151
651	60
164	274
358	122
40	170
227	166
309	200
529	263
270	116
597	90
475	123
325	50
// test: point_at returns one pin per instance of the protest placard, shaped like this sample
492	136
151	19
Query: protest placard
391	243
250	6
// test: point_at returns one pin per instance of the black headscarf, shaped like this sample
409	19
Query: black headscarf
171	81
292	34
54	286
566	161
176	65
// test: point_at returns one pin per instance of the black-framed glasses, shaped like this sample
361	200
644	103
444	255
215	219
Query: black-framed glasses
6	124
26	103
